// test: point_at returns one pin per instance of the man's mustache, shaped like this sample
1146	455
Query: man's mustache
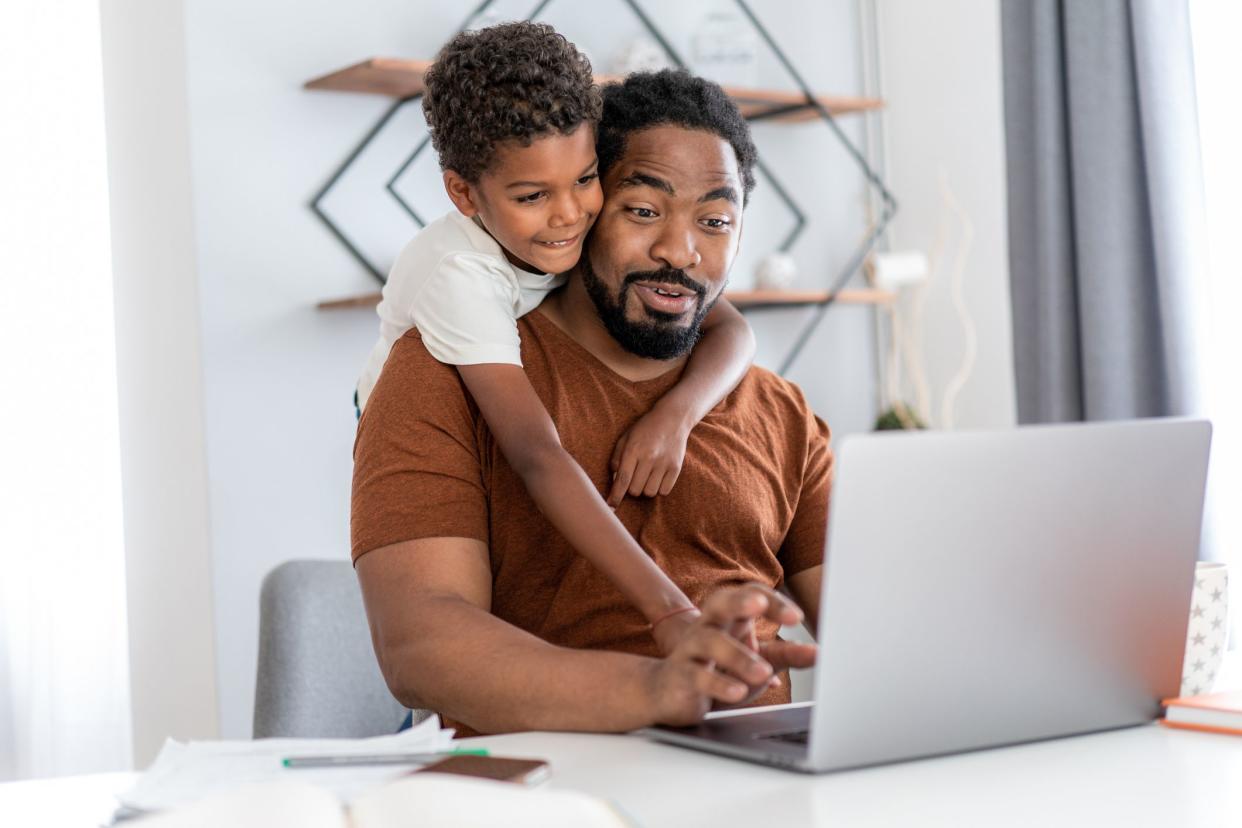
668	275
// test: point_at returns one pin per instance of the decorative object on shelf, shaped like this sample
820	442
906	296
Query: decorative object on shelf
724	49
641	54
899	418
403	79
957	286
908	274
776	271
893	270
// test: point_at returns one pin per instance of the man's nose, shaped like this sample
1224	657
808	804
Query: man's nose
566	211
676	247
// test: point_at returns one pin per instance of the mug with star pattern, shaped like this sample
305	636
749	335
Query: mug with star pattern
1208	634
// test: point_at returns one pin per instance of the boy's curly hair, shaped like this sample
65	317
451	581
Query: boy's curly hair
677	98
505	82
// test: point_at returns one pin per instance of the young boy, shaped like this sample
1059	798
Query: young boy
512	112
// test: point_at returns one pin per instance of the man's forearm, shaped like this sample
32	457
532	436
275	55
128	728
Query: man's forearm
427	601
465	663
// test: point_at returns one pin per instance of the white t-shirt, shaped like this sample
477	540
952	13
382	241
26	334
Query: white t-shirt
454	284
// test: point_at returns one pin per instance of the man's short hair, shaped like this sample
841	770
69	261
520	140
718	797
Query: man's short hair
513	81
677	98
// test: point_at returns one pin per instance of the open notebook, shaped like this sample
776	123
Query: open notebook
418	800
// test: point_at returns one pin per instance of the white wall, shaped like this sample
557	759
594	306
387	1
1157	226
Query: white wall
163	458
940	73
279	374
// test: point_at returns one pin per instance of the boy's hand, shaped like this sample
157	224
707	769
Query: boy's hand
710	667
648	457
669	632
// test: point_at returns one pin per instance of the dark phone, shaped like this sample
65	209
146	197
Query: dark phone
522	771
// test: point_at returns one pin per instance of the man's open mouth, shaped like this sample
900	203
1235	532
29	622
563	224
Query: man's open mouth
667	297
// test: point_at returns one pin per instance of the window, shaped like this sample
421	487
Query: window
64	679
1218	66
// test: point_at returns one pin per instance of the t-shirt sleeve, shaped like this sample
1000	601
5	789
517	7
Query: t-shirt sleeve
417	462
803	547
466	313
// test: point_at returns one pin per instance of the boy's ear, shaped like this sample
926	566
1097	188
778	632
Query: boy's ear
461	193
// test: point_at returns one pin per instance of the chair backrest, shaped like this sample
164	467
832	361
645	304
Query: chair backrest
317	673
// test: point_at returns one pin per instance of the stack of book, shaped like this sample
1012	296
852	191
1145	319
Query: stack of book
1215	713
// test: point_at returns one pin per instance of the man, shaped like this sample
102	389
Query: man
482	612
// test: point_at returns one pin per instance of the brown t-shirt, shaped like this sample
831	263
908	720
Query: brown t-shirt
750	504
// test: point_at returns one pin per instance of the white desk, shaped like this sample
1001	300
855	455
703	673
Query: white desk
1145	776
1141	776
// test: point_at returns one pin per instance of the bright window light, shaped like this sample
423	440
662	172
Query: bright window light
1218	66
64	688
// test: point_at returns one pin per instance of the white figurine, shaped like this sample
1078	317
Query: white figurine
641	55
776	271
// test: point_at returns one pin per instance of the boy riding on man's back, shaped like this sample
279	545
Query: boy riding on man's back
512	111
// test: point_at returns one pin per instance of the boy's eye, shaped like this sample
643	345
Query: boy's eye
643	212
587	179
716	223
529	198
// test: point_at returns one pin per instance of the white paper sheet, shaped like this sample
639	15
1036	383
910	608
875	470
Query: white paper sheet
185	772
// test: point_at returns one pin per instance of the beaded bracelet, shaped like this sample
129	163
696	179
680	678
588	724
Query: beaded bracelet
669	615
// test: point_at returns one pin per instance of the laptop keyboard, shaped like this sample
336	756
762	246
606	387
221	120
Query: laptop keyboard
796	737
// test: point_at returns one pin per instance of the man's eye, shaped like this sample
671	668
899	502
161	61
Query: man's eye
643	212
529	198
587	179
716	223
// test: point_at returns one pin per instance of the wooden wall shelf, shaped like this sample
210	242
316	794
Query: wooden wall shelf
393	77
743	299
401	78
790	298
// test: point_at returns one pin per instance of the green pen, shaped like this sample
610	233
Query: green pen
377	759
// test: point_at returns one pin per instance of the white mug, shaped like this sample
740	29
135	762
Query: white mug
1208	633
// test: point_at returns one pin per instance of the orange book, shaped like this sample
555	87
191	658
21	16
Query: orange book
1215	713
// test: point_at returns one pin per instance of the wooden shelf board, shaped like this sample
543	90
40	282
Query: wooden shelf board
789	298
754	102
365	300
740	298
393	77
402	78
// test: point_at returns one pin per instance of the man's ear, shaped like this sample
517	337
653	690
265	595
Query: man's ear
462	193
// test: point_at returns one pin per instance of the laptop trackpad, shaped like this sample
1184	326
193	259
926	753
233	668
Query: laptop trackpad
767	729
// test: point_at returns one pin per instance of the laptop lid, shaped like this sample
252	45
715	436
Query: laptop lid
986	588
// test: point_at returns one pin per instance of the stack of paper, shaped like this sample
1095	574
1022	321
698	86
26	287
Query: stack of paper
185	772
432	800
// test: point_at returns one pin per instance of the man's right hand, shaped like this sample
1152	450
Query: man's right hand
712	663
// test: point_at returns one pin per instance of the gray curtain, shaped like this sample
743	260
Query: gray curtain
1105	207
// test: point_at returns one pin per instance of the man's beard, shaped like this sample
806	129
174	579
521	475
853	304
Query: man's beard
658	336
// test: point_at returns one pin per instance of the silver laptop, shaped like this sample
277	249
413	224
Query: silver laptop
990	588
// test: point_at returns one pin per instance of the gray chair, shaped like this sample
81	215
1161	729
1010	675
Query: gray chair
317	672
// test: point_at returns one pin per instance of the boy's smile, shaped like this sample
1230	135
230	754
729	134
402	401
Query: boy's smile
537	201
